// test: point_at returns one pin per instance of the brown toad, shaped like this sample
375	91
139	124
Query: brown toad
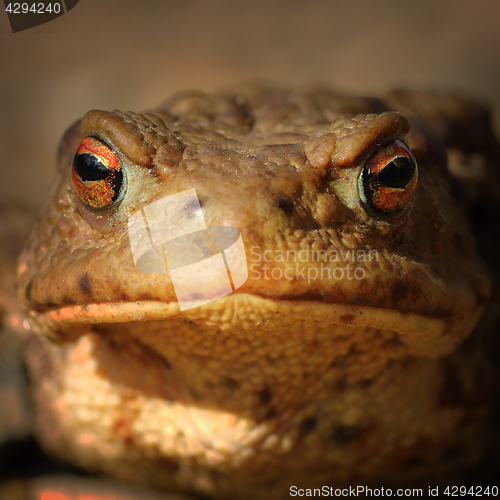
337	362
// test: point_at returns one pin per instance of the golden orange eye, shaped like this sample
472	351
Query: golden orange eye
388	179
97	173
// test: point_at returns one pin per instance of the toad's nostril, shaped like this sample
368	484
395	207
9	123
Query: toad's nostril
285	204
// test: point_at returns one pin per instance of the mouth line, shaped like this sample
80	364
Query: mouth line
261	308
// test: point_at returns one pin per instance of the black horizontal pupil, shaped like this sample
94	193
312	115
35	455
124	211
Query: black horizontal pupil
89	168
397	174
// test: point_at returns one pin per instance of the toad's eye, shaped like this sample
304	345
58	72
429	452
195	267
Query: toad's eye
388	179
97	173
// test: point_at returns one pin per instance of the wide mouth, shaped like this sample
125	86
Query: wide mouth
426	335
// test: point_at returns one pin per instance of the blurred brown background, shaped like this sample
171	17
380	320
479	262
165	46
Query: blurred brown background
132	54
